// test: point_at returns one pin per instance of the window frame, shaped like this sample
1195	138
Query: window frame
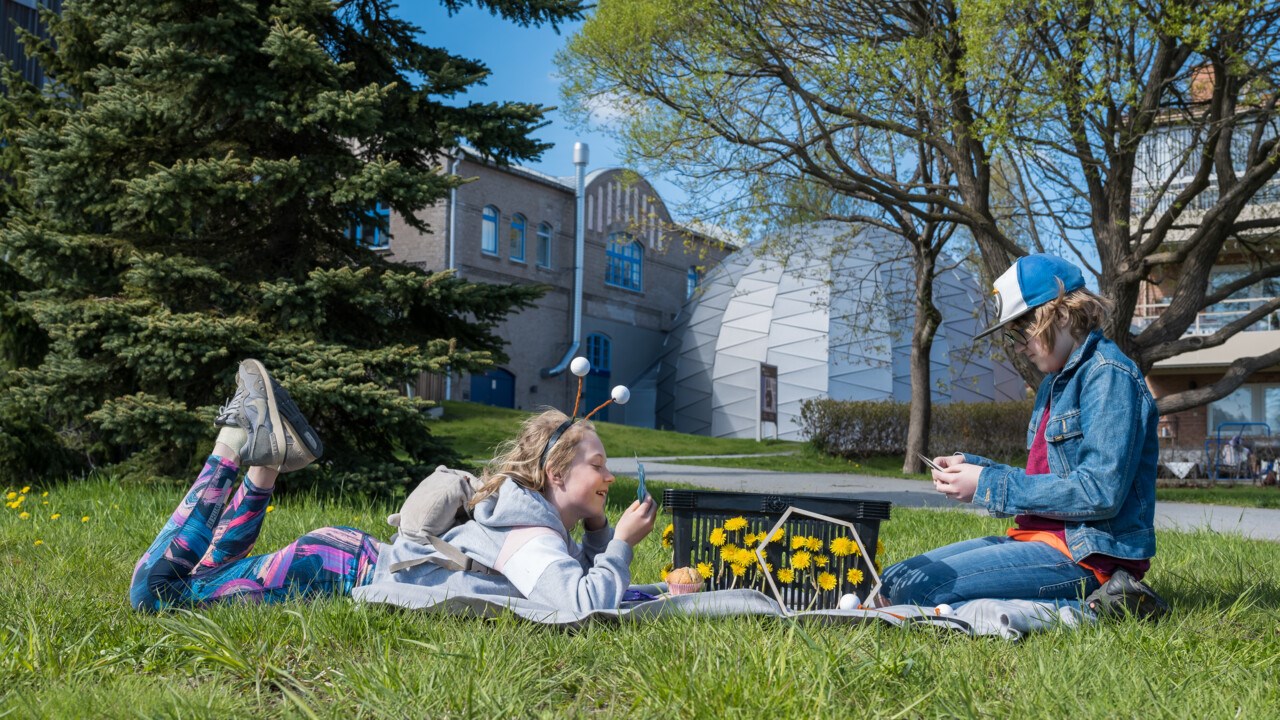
622	268
546	233
489	241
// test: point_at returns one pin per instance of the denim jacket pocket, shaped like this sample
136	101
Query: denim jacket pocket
1064	435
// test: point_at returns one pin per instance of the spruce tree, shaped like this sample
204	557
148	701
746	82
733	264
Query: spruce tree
181	196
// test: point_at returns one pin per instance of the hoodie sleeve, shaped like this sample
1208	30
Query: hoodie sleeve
545	570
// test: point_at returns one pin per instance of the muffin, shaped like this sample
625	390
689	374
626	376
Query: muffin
683	581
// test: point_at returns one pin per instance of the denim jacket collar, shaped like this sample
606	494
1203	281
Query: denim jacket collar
1083	350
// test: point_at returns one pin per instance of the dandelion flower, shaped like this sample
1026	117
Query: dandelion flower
879	546
39	543
735	524
271	508
842	546
798	542
777	535
44	494
826	581
24	515
55	516
668	535
786	576
854	575
813	544
666	571
704	569
84	519
801	560
821	560
717	537
26	490
738	570
11	495
750	539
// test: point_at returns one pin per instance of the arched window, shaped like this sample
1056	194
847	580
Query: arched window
625	267
692	281
489	230
517	237
544	245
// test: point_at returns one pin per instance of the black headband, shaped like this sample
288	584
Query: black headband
551	441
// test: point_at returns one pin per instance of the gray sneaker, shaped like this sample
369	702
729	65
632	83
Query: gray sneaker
251	419
302	444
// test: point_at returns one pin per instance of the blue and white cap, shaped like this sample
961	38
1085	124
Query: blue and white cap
1031	282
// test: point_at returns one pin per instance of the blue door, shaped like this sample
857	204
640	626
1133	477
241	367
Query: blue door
496	387
595	388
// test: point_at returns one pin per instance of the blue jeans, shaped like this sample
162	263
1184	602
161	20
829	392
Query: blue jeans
990	567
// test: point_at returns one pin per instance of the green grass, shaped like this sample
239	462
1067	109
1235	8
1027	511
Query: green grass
1253	496
69	646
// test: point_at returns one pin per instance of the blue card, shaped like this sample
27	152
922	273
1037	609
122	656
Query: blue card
641	490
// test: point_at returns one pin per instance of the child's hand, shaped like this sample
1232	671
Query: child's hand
959	481
636	521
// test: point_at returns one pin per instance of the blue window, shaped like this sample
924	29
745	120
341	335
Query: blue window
599	353
544	245
692	281
489	230
625	267
372	228
517	237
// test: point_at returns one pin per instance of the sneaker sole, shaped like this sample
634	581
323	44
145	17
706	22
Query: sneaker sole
273	409
292	415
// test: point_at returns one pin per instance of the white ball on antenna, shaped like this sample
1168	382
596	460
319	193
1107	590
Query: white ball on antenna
620	394
580	366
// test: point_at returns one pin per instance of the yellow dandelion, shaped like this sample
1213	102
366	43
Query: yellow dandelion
854	576
44	494
666	571
777	535
84	519
786	576
826	581
271	508
798	542
24	515
735	524
39	543
717	537
768	567
46	502
879	546
738	570
55	516
26	490
668	535
842	546
747	557
11	495
821	560
729	552
704	569
750	539
801	560
813	544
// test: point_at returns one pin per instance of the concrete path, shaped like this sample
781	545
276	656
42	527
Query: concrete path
1249	522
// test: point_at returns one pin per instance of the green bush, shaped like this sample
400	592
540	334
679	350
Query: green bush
862	429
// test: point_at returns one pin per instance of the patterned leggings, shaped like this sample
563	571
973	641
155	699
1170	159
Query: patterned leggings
199	556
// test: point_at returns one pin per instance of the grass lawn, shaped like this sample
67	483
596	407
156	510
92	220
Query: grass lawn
1254	496
69	646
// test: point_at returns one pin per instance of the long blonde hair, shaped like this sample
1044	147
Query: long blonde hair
521	457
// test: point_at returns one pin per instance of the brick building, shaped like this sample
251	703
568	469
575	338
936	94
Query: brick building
23	14
516	225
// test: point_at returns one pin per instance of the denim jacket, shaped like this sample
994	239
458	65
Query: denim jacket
1102	457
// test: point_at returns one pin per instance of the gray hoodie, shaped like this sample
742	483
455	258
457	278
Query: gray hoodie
518	533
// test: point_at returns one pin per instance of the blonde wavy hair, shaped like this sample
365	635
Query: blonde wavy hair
1084	310
521	457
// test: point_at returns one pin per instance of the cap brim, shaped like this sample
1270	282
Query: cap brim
999	325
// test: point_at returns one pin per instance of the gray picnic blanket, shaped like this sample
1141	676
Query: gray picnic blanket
1010	619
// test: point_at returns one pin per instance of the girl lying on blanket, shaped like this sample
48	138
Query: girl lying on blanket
550	478
1084	506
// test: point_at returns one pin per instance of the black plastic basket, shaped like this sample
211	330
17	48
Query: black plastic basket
697	513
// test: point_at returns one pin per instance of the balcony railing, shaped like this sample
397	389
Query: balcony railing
1210	321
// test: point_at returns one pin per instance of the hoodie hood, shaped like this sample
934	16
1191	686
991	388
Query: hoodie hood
516	506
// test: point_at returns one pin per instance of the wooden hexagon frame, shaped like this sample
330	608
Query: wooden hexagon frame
793	510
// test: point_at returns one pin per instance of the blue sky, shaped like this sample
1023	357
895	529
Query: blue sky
523	67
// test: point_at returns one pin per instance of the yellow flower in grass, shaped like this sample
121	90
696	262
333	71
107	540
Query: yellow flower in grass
84	519
735	524
55	516
44	494
801	560
821	560
26	490
704	569
738	570
24	515
879	546
813	544
842	546
717	537
854	576
39	543
11	495
271	508
786	576
668	535
798	542
666	571
826	581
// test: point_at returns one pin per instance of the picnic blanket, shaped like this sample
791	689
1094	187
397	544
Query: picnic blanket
1011	619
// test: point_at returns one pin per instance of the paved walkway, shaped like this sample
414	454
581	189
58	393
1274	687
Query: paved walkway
1249	522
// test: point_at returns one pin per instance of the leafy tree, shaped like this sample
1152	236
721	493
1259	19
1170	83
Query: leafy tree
184	192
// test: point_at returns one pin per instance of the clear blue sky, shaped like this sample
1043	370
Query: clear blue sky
523	69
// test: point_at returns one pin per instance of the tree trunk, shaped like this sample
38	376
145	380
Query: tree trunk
927	321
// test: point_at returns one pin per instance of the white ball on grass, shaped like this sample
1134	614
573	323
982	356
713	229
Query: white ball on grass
849	601
620	394
580	366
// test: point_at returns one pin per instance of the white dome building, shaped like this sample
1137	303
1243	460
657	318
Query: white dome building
832	312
